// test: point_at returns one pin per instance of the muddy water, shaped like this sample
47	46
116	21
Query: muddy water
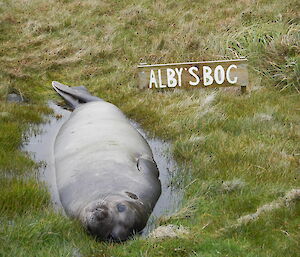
40	146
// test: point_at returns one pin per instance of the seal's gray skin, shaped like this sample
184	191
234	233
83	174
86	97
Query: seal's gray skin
105	172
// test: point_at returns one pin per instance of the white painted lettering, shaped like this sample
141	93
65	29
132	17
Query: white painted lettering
219	74
179	73
234	80
172	82
207	78
192	71
152	79
161	85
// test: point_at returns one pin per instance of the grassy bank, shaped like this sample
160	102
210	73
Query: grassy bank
236	152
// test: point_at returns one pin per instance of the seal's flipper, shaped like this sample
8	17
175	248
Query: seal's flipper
74	95
72	102
82	88
147	166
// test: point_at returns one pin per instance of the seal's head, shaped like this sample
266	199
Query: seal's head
115	218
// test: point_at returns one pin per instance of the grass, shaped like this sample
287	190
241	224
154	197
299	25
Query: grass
236	152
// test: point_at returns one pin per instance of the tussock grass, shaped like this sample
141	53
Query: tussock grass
17	196
236	152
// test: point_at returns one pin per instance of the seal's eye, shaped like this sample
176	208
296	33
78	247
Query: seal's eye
121	207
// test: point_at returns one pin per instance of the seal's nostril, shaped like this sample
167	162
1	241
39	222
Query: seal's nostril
111	238
89	229
100	214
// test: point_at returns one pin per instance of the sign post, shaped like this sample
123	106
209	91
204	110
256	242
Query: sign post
223	73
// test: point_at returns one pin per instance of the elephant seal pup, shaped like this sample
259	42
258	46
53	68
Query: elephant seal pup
105	172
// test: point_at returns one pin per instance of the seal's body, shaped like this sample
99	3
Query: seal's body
105	172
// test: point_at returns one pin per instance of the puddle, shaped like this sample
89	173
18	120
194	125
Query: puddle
40	147
170	198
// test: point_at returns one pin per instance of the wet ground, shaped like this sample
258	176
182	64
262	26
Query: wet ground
40	147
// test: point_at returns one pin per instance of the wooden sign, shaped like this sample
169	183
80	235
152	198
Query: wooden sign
194	74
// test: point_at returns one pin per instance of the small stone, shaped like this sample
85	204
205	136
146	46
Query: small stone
168	231
263	117
14	98
4	114
232	185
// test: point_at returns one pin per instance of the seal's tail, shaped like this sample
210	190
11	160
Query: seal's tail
74	96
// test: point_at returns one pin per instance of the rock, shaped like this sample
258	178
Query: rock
14	98
232	185
263	117
169	231
4	114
